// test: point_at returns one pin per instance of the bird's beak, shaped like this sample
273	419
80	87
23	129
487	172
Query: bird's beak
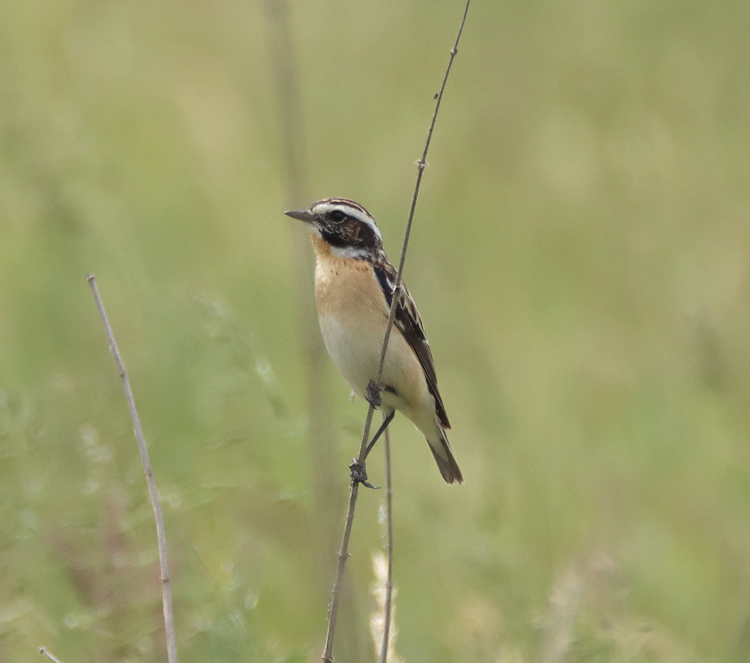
301	215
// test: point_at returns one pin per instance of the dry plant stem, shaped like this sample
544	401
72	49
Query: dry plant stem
389	577
321	435
344	551
43	651
166	590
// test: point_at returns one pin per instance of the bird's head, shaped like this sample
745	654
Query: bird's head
345	225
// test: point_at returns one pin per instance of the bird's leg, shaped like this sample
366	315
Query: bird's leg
358	471
359	474
382	428
373	394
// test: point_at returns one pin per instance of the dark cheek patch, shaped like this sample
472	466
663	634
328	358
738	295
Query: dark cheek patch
350	233
334	238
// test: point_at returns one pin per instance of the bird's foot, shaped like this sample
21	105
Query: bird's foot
359	474
373	394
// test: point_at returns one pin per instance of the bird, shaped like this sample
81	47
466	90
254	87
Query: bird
354	289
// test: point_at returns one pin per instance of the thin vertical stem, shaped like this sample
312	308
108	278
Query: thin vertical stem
344	551
389	577
161	536
321	436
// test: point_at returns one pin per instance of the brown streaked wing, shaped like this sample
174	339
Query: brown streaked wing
410	325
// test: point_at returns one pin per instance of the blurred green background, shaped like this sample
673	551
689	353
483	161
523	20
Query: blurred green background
580	255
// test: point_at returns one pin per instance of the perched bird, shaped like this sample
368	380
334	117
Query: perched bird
354	286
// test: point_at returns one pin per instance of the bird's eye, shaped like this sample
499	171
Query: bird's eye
337	216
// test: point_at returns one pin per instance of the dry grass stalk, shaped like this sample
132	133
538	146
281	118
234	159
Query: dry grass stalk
383	618
360	462
153	492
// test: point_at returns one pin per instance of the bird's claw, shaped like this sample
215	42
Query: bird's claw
373	394
359	474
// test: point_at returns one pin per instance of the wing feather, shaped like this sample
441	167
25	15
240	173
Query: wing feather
410	325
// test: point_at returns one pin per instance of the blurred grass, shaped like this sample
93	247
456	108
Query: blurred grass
580	255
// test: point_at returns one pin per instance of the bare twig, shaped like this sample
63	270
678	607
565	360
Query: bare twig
321	434
389	577
43	651
161	536
322	438
344	551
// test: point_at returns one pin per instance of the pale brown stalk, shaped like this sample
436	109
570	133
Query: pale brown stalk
166	589
344	550
387	608
321	434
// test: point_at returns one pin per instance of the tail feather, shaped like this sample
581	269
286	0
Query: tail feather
441	452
